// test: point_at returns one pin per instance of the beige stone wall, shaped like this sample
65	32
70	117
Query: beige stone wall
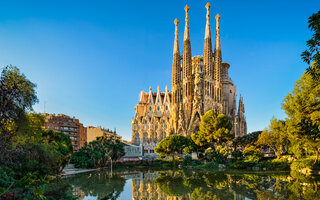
93	133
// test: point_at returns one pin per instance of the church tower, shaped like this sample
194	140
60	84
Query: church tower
198	84
218	89
208	64
176	79
187	70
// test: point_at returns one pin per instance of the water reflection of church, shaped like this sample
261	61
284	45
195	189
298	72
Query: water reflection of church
145	186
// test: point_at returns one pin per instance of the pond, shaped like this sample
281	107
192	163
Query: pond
178	184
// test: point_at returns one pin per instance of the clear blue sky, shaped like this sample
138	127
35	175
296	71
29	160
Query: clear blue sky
90	59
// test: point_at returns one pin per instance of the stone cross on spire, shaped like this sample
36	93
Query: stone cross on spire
176	39
208	10
217	21
187	10
176	22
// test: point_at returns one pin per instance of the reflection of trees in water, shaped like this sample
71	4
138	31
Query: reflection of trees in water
218	185
100	184
202	185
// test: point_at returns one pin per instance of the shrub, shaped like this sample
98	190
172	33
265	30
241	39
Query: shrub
276	165
187	161
237	155
307	164
252	154
238	165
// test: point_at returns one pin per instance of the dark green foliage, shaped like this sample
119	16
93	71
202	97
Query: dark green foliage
98	152
214	129
252	154
312	54
17	94
28	154
174	144
249	139
187	161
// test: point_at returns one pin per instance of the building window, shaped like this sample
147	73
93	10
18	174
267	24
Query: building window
230	91
166	107
158	108
150	108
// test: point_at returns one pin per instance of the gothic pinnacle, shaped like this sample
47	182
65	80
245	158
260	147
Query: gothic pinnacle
218	44
208	31
186	56
187	8
176	39
186	30
208	11
207	52
217	22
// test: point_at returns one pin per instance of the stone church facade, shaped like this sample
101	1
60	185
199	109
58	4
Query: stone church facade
199	84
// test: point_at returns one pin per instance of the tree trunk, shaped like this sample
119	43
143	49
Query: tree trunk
172	157
278	155
317	156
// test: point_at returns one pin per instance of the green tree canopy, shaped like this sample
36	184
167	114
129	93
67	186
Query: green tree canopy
303	109
312	54
98	152
17	94
174	144
214	128
275	137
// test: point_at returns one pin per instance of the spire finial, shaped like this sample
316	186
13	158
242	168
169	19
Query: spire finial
166	88
217	21
187	8
150	88
176	22
158	88
208	10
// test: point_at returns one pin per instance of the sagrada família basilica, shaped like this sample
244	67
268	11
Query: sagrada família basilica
199	84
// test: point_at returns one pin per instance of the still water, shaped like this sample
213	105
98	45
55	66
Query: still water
200	185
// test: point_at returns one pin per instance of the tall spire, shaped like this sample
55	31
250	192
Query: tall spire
186	30
187	65
186	58
176	69
176	38
208	31
217	63
217	52
207	53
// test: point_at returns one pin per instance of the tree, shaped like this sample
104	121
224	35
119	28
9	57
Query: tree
173	144
275	137
312	54
98	152
214	128
17	94
247	140
303	109
62	144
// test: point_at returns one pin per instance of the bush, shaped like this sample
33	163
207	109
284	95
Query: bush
307	165
237	155
187	161
276	165
238	165
252	154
